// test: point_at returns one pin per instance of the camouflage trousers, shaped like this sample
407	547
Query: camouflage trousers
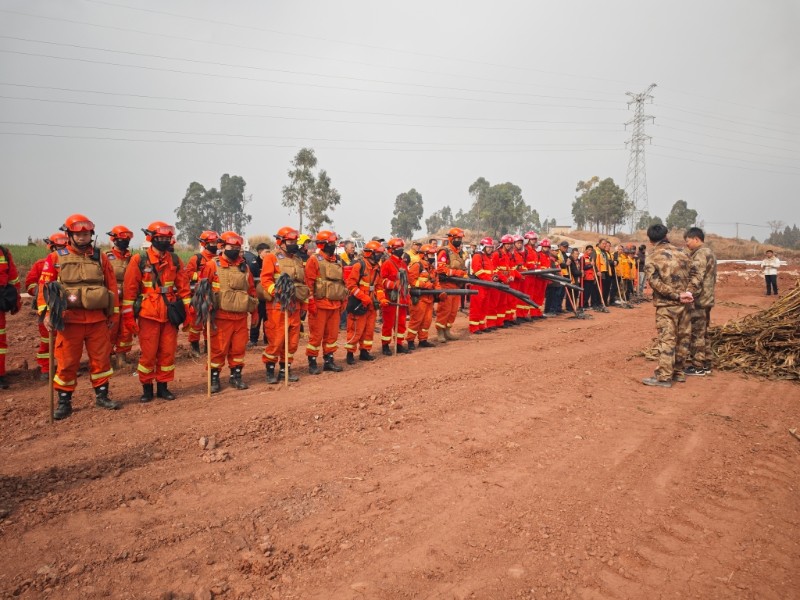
674	336
700	349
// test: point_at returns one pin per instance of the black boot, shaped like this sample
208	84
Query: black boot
313	369
402	349
102	400
215	386
330	365
4	382
412	345
64	408
365	355
163	392
271	377
147	392
386	350
351	359
425	344
195	352
282	374
236	378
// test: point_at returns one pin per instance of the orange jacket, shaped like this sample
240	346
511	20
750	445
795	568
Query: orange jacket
139	281
271	270
390	274
32	278
365	283
50	270
210	272
196	264
482	266
450	262
313	273
116	255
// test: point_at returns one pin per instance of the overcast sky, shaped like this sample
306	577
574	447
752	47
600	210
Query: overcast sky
112	107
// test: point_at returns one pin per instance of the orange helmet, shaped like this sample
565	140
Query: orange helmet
159	229
77	223
59	238
208	237
327	237
372	247
120	232
232	238
396	243
428	249
286	233
455	232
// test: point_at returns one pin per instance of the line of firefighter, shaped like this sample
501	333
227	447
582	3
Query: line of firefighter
153	285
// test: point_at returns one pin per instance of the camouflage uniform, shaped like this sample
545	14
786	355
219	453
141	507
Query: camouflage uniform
667	271
703	278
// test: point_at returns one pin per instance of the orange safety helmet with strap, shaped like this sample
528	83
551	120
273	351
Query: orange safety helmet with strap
77	223
120	232
59	238
208	237
326	237
231	238
455	232
159	229
286	233
395	243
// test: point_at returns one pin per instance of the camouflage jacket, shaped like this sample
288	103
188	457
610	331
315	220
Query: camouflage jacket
703	277
667	271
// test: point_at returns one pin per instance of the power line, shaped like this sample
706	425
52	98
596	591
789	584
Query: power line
724	119
719	137
755	162
725	149
707	162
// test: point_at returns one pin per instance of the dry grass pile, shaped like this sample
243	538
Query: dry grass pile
765	343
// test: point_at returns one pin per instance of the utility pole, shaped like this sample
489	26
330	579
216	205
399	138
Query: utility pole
636	179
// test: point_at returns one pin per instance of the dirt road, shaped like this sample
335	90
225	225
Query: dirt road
530	463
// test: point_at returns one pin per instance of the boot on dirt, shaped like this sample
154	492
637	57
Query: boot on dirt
43	377
386	351
236	378
163	392
330	365
215	385
271	377
351	359
64	408
194	352
426	344
313	369
365	355
282	374
440	336
147	392
402	349
412	345
101	399
449	335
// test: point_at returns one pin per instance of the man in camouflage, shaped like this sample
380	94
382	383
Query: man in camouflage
701	285
668	272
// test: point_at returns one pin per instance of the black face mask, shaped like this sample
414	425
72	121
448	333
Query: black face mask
329	249
375	258
292	248
212	248
398	252
431	259
122	244
456	243
162	245
232	255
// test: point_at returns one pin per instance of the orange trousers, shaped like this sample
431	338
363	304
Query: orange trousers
229	340
158	343
3	343
69	349
387	329
421	318
447	311
121	340
323	331
360	331
275	350
43	355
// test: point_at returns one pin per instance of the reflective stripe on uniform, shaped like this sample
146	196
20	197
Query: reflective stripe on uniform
96	376
166	368
59	381
142	369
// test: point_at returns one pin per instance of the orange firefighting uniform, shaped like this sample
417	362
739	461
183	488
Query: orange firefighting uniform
32	287
421	275
482	311
507	304
522	310
229	338
8	276
325	279
390	274
450	262
82	326
364	282
194	268
275	263
158	338
121	339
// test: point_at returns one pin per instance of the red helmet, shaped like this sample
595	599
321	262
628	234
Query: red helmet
327	237
231	238
286	233
77	223
531	235
208	237
59	238
371	247
545	243
455	232
507	239
517	238
395	243
120	232
487	241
